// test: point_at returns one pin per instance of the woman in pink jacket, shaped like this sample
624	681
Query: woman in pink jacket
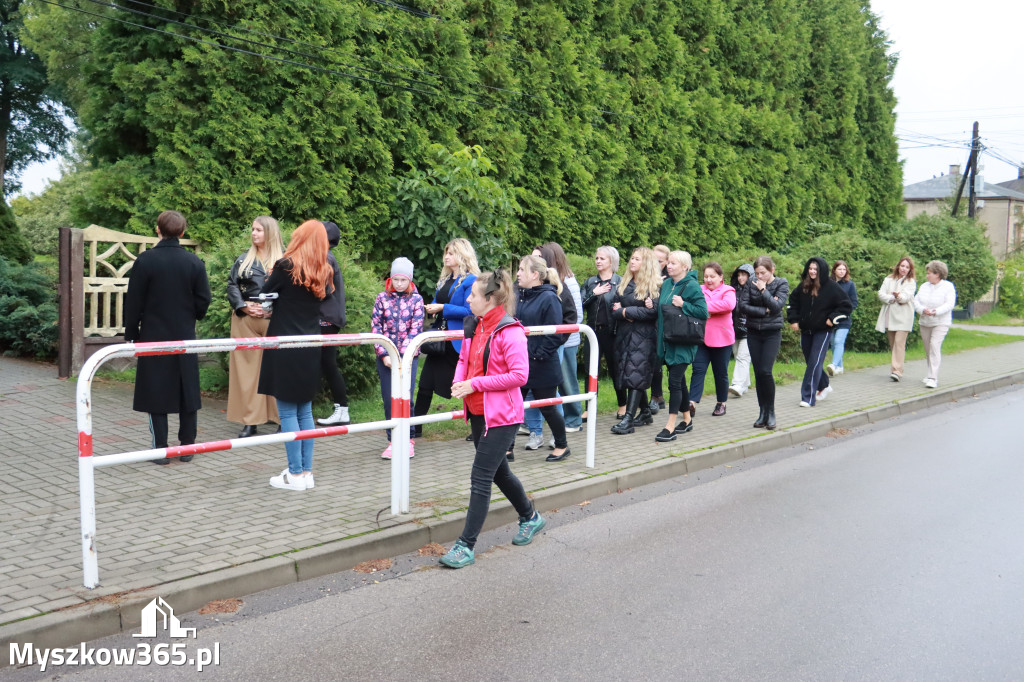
719	336
493	364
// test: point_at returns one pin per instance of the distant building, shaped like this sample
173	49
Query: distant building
1000	206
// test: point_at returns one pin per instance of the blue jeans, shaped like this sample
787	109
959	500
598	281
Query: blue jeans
839	345
384	376
570	385
534	419
297	417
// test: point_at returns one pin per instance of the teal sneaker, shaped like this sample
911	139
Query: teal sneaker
459	555
528	528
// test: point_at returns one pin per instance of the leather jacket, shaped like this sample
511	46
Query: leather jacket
241	287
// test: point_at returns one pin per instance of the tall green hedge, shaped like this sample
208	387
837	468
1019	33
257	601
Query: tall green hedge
720	124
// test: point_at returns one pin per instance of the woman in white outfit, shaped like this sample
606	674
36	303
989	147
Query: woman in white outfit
934	302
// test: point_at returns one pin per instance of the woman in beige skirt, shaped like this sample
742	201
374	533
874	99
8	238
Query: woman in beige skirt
246	405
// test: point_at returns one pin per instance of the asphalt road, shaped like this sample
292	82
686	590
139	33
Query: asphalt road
892	553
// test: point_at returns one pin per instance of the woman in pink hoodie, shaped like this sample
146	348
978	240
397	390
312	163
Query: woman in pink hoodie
719	336
493	365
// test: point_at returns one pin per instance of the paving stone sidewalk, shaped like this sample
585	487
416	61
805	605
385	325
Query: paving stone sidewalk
160	524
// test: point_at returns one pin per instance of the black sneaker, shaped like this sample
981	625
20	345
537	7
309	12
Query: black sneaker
665	436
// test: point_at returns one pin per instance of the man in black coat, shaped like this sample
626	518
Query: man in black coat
167	292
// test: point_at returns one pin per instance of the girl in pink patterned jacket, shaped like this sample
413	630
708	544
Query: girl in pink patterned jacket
397	314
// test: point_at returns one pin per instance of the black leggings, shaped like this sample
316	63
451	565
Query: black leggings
606	348
764	348
676	386
551	414
491	466
329	369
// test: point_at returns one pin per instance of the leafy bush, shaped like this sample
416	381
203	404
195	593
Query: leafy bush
1011	287
454	197
958	242
28	309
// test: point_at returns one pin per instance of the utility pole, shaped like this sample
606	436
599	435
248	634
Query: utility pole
970	172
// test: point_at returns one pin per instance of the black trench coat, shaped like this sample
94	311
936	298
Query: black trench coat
167	292
291	374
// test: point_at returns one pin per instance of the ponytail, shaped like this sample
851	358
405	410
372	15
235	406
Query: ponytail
497	286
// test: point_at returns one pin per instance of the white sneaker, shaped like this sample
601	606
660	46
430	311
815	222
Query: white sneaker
823	393
830	369
894	376
931	383
288	481
573	429
551	443
535	442
734	391
836	371
804	403
310	484
338	418
523	431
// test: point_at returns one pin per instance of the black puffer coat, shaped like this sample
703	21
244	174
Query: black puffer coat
636	340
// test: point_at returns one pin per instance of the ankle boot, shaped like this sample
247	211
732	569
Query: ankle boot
770	421
646	414
626	425
762	418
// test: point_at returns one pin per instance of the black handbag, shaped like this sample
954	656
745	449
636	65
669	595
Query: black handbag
680	328
432	348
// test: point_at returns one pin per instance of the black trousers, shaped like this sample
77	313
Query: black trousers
718	358
491	467
815	346
676	386
606	349
764	348
188	425
329	369
436	377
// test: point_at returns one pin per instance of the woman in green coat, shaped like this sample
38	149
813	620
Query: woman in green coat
681	290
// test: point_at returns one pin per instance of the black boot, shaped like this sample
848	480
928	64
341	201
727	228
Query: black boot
626	425
248	431
770	421
652	407
646	417
762	418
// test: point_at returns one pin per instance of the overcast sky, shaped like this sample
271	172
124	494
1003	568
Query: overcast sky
959	62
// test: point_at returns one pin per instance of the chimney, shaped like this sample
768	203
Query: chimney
1020	172
954	169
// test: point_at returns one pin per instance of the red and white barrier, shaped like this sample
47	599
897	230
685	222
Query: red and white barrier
400	436
87	461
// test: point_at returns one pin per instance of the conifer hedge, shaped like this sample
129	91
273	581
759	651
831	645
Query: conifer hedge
717	124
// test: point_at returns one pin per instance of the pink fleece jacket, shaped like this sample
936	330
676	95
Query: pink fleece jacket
508	368
721	301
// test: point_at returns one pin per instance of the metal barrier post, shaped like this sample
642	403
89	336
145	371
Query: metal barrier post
87	461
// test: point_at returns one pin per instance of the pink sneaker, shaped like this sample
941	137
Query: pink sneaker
387	452
412	449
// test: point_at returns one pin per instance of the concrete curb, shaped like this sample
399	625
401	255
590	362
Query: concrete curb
112	614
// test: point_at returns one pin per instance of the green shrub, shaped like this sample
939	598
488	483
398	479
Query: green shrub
28	309
958	242
1011	286
13	245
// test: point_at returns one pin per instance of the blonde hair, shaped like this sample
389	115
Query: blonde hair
663	249
611	253
539	266
466	257
500	284
273	246
648	278
683	258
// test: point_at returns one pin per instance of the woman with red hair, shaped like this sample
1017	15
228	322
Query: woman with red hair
301	280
